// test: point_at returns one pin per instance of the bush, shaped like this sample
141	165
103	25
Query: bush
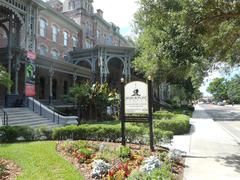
179	124
43	133
11	133
163	115
101	132
124	152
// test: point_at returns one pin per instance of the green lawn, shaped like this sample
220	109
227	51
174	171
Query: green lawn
39	161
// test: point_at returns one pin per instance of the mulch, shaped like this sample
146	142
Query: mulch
11	170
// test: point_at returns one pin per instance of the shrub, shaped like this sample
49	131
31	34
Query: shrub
100	168
11	133
124	152
163	115
179	124
43	133
163	173
100	132
150	164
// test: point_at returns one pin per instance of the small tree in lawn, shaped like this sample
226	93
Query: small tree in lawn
5	79
80	95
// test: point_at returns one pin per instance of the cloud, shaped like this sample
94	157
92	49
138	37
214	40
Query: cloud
120	12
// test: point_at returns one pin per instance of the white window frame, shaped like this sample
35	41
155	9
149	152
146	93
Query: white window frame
43	27
65	38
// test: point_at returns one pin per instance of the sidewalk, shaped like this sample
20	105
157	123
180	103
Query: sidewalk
212	154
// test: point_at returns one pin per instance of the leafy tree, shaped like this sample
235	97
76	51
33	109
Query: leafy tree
218	88
234	89
169	50
4	78
182	39
93	99
80	96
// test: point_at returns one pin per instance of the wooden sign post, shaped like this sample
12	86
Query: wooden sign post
136	106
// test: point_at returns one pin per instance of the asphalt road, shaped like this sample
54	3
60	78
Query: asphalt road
227	116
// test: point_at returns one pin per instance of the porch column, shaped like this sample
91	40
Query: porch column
17	68
74	79
10	50
51	73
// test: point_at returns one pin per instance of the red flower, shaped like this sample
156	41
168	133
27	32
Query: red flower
111	173
120	166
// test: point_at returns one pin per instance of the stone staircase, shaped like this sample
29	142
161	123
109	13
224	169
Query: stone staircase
26	117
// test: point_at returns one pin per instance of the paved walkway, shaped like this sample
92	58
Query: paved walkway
212	153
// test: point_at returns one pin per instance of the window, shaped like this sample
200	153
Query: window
98	34
88	44
71	5
109	40
54	54
65	38
75	41
43	27
55	31
43	50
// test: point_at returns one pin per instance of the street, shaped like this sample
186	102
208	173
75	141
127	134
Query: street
227	116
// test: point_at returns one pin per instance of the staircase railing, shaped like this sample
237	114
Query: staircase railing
46	112
5	117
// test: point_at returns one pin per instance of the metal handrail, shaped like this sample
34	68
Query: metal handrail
5	116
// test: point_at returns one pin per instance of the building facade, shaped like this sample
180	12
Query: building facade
72	44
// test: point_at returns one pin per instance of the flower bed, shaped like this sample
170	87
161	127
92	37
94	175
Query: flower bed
98	160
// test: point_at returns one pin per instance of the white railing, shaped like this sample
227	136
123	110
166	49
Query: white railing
46	112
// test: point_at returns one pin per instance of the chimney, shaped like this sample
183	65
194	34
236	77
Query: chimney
100	13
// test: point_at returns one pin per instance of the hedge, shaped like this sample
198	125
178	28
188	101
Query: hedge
163	115
11	133
101	132
178	124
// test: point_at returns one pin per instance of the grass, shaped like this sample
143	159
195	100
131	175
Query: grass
39	161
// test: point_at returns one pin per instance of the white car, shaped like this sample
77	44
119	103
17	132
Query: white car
221	103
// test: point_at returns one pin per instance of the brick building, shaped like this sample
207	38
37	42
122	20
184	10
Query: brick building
72	43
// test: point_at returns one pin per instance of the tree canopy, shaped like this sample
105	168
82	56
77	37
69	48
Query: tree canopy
218	88
182	39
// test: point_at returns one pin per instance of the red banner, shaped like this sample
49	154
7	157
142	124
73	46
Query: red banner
30	90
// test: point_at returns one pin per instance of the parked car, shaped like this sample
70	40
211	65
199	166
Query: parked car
221	103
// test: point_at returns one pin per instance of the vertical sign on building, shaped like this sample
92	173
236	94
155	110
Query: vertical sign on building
30	74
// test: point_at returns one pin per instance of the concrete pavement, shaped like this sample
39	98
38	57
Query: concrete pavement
213	153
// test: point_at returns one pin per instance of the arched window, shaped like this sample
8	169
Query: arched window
43	27
55	31
65	38
75	41
55	54
3	38
43	50
71	5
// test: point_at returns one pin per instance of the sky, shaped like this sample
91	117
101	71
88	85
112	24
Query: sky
120	12
217	74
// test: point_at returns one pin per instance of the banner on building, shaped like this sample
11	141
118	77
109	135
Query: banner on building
30	69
